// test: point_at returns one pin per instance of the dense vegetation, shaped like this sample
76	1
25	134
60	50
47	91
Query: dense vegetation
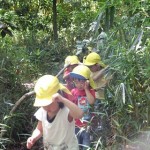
36	36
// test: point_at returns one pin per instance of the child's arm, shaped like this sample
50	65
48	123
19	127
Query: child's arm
37	133
100	74
75	111
90	97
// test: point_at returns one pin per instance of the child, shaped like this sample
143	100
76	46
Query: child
71	62
98	69
101	76
55	117
85	97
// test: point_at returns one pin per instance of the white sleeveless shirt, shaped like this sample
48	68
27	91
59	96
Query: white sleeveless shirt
60	134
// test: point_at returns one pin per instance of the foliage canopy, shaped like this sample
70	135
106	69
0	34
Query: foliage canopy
28	50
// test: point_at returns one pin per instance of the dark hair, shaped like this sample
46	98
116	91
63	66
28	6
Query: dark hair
61	105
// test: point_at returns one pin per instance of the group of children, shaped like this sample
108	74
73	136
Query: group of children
64	110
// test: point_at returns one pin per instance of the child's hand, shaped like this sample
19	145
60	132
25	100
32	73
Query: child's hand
86	85
30	142
56	97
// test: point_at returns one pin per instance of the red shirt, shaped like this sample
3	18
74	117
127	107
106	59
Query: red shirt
81	101
70	97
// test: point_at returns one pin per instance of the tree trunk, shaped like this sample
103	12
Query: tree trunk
112	13
55	20
107	20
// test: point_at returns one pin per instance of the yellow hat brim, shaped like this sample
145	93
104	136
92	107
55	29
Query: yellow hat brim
102	64
93	63
88	63
42	102
48	100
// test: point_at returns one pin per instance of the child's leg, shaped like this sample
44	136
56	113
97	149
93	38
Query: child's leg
78	132
85	139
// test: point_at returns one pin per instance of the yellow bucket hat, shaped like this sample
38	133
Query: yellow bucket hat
45	88
82	72
92	59
71	60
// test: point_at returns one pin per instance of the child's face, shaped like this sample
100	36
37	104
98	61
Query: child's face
71	67
53	107
95	67
79	83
